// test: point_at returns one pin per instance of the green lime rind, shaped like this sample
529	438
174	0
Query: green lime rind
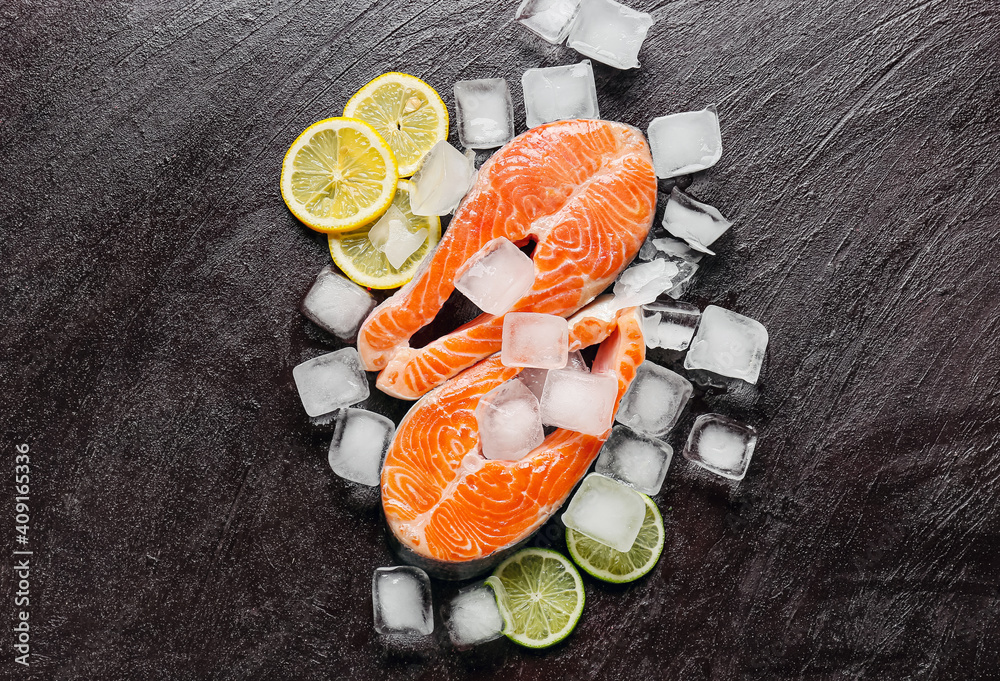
540	595
604	563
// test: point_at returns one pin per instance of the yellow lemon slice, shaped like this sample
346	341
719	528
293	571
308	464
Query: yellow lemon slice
338	174
406	112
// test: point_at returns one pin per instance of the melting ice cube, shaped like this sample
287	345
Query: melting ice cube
643	283
331	381
606	511
360	440
532	339
534	379
337	304
510	424
474	617
584	402
609	32
485	113
444	177
655	400
669	324
401	597
635	459
721	445
391	235
559	93
728	344
697	223
496	276
550	19
686	142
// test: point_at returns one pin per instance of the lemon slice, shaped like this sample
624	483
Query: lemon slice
406	112
606	564
367	264
337	175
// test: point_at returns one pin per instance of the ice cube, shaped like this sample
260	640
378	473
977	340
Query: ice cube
643	283
534	380
728	344
635	459
391	235
576	361
485	113
331	381
655	400
337	304
697	223
558	93
677	250
401	597
444	177
532	339
669	324
609	32
474	617
685	142
549	19
496	276
510	424
360	440
721	445
584	402
606	511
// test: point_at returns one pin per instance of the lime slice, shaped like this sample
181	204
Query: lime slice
540	596
407	112
606	564
338	174
366	263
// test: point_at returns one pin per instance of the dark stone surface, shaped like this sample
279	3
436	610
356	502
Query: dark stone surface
185	524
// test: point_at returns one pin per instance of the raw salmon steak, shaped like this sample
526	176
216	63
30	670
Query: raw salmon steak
584	191
455	513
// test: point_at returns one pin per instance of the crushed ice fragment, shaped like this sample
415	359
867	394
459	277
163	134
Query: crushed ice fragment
549	19
532	339
474	617
637	460
443	179
401	598
583	402
559	93
643	283
337	304
654	401
699	224
606	511
331	381
721	445
685	142
360	440
609	32
496	276
669	324
509	421
485	113
728	344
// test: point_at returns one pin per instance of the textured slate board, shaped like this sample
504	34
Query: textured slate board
186	524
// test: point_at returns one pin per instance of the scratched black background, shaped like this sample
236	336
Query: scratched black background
185	523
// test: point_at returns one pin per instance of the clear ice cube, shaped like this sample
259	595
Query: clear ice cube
534	379
532	339
485	113
685	142
549	19
635	459
559	93
583	402
331	381
496	276
337	304
401	597
654	402
669	324
606	511
644	282
721	445
510	423
474	617
391	235
360	440
728	344
442	180
699	224
609	32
